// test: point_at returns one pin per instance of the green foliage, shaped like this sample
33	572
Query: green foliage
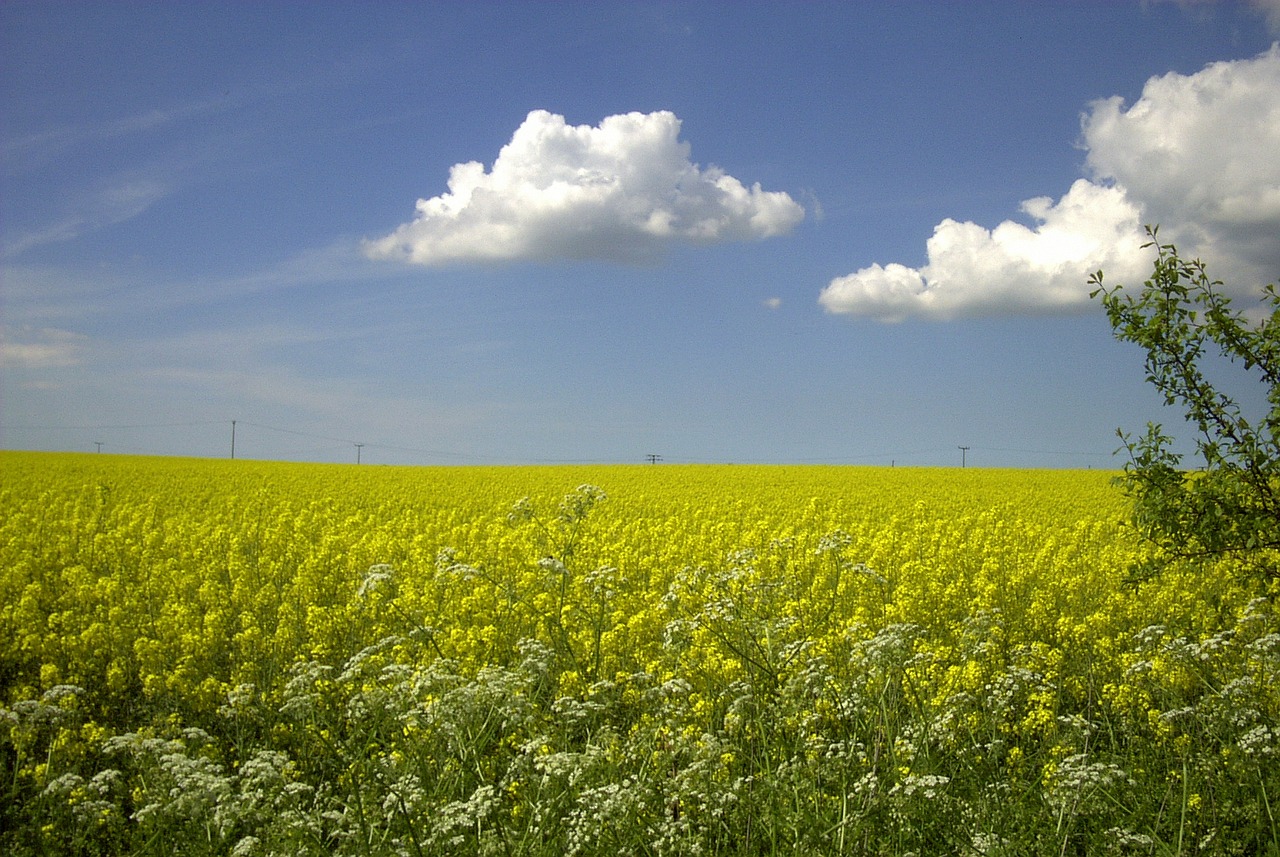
1231	507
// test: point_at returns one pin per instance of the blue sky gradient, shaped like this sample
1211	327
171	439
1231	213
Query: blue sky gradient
210	212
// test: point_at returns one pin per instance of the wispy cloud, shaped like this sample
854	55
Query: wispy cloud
169	152
243	371
120	200
40	348
53	295
1195	154
618	191
20	153
1269	9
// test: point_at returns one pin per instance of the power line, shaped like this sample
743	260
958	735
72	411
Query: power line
298	433
101	427
338	442
350	442
1045	451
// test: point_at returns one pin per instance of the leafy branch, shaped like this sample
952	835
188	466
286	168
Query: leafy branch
1231	506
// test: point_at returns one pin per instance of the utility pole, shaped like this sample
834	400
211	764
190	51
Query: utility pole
653	457
358	447
964	454
233	438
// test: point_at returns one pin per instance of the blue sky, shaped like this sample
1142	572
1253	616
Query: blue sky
470	233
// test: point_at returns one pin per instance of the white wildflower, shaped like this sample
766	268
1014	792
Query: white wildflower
1126	838
835	541
982	844
1259	742
246	847
926	785
553	566
1077	778
373	578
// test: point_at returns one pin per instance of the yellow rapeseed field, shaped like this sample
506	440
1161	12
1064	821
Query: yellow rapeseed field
215	657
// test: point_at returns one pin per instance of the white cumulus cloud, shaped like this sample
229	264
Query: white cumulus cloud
1195	154
1010	269
617	191
1201	154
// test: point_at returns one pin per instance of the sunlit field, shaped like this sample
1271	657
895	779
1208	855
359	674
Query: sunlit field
233	657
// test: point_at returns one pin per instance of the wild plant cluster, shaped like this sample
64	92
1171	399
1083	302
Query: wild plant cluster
253	659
